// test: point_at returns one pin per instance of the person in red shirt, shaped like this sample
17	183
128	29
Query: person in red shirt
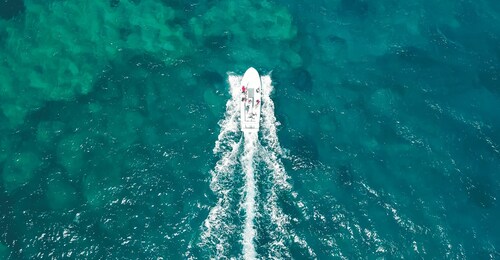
243	89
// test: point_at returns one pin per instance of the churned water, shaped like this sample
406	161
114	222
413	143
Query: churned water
119	135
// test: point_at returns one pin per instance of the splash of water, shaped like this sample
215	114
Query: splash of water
270	153
250	191
218	228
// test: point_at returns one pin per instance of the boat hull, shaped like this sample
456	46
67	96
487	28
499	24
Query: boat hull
251	93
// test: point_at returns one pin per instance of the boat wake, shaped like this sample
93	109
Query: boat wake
249	181
247	161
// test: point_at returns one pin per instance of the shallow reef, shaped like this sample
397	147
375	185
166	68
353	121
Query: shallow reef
387	115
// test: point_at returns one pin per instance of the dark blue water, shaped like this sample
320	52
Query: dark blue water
388	130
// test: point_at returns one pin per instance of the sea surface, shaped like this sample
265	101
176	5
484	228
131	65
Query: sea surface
379	139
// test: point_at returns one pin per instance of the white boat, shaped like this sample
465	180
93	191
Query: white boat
251	90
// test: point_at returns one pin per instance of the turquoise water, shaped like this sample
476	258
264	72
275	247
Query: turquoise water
380	136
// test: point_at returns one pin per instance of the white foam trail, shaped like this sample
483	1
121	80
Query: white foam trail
269	121
229	126
217	227
270	154
217	222
247	162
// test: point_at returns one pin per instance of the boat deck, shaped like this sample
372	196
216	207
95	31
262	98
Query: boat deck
250	101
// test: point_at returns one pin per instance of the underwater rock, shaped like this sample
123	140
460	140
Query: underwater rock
480	194
224	29
48	132
215	102
75	51
344	175
19	169
3	37
358	7
60	195
107	88
212	78
114	3
71	154
489	77
125	129
4	251
302	80
94	191
101	182
416	56
333	49
268	21
10	9
4	149
305	146
293	58
327	124
299	78
384	101
217	42
334	39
